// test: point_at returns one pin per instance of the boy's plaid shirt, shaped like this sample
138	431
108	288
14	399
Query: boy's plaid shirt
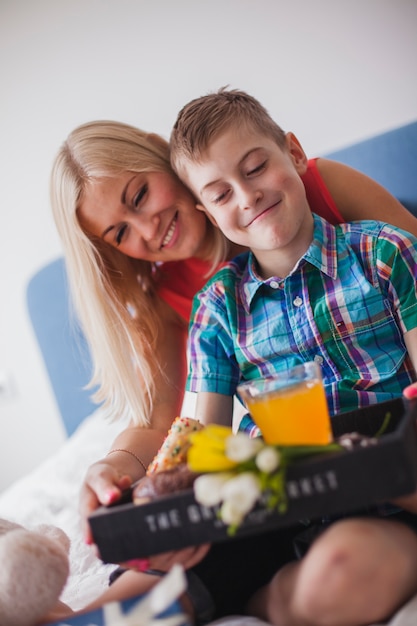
346	305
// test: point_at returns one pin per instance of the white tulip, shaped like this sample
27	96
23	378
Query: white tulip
231	513
240	447
208	488
268	460
242	491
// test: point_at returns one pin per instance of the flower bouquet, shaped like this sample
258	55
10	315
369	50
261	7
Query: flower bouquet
236	471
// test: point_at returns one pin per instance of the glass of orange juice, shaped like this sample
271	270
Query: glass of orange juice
290	408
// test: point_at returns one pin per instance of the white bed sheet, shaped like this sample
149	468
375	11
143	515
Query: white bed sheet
50	496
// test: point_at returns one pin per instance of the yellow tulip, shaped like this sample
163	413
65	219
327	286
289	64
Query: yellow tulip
207	451
213	434
202	459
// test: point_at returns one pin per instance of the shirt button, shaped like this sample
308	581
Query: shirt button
274	284
297	301
318	359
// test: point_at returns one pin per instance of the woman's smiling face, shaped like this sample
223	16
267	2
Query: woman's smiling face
148	215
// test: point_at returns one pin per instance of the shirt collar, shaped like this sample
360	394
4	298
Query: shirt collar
322	254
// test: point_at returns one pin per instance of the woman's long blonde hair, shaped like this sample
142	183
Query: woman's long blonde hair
114	295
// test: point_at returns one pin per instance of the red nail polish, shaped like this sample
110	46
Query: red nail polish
141	565
411	392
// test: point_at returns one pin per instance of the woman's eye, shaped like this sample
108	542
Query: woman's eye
120	234
137	199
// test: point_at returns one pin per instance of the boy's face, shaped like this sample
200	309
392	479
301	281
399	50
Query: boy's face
252	190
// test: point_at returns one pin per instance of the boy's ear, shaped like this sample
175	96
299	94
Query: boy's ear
201	207
296	153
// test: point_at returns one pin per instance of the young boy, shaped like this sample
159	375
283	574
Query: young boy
343	296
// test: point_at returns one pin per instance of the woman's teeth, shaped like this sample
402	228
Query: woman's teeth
170	232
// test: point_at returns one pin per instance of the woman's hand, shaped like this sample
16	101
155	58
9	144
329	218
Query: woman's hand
106	480
187	557
103	484
135	447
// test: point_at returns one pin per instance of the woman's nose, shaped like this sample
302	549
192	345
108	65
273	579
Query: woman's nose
147	226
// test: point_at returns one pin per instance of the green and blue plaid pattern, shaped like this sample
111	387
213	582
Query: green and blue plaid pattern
346	304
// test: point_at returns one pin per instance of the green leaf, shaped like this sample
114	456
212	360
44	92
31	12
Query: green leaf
384	425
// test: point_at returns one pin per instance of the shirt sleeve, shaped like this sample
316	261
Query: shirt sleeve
397	269
211	354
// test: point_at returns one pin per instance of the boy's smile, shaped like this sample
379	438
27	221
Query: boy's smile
252	190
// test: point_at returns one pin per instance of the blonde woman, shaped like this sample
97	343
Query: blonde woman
137	250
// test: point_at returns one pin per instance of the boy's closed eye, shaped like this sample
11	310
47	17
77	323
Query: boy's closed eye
218	199
257	169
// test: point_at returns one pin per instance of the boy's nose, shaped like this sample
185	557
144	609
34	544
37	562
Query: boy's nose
248	197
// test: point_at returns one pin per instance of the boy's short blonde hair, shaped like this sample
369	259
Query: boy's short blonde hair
202	120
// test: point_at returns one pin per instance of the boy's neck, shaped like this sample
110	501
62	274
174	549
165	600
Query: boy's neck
279	264
276	267
282	261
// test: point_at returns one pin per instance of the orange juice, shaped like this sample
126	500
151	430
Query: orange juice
290	408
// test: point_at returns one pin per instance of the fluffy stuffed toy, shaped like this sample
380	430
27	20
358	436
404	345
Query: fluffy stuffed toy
34	569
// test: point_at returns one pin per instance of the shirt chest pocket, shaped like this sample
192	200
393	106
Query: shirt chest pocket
366	340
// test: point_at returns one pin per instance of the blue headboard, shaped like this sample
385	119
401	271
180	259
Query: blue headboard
61	342
389	158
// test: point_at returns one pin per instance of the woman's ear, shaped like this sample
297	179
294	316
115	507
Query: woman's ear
201	207
297	154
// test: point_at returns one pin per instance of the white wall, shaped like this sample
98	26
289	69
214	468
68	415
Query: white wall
333	71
